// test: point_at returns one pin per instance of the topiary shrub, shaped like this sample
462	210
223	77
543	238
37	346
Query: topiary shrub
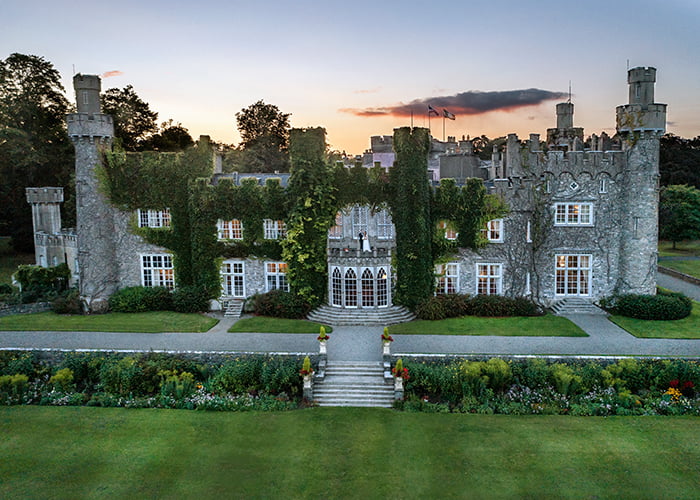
281	304
190	299
432	309
663	306
141	299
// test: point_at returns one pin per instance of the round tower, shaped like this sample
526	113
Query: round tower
565	115
87	93
640	124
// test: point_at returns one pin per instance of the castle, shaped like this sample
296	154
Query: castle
582	219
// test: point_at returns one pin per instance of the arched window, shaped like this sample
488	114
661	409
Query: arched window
367	288
337	288
382	288
350	288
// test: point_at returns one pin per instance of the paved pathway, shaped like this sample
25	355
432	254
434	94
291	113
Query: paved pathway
359	343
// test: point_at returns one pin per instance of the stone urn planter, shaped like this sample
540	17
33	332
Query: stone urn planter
322	347
386	342
322	339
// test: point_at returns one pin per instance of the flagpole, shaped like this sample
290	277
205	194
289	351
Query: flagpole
411	117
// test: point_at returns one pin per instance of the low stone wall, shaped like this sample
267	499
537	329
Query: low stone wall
36	307
679	275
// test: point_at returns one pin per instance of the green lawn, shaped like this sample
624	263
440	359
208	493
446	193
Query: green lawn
342	453
9	260
538	326
686	328
682	248
691	267
265	324
149	322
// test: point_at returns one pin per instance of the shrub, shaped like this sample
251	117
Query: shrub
663	306
565	380
432	309
281	304
280	376
62	380
190	299
42	282
120	376
176	385
6	289
239	376
68	303
141	299
13	385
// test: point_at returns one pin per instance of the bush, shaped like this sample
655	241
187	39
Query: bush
456	305
240	376
281	304
190	299
68	303
141	299
13	385
6	289
120	376
62	380
42	282
663	306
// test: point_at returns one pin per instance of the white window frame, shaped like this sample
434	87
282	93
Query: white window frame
232	271
573	214
230	229
450	234
447	278
274	229
276	276
336	231
157	270
385	226
153	218
494	231
565	271
528	232
360	220
489	278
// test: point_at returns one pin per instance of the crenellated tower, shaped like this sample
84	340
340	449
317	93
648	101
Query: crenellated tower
91	133
640	124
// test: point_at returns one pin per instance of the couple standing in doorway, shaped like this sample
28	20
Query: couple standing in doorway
364	241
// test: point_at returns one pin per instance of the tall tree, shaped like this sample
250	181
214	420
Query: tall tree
34	147
264	133
679	213
679	160
171	137
134	121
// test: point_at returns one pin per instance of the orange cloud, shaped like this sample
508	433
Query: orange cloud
112	73
472	102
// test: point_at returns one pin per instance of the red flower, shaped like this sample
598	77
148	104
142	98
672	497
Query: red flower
688	385
674	383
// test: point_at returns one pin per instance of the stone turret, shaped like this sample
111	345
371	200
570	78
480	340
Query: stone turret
640	124
564	135
91	133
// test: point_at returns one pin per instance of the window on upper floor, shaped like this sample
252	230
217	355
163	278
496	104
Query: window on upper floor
154	218
450	232
447	278
336	231
230	229
573	214
494	231
360	216
275	229
385	226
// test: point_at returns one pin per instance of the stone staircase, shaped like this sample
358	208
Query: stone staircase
381	317
354	383
233	308
576	305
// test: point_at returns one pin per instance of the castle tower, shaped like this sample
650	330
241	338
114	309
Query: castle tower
641	123
46	219
91	133
564	135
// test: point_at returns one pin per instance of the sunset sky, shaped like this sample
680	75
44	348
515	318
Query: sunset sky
358	67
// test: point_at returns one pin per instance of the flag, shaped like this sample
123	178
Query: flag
447	114
432	111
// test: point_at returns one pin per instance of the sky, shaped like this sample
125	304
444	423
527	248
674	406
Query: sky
359	67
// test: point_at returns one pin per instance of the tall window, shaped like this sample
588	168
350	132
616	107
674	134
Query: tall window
233	278
450	232
276	276
382	288
350	288
230	229
367	288
447	278
154	218
275	229
489	279
494	231
337	287
157	270
336	231
360	215
573	274
573	214
385	226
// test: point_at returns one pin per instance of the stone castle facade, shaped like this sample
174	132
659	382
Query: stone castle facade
582	218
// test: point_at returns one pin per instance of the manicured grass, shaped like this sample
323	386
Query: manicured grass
9	260
342	453
682	248
149	322
539	326
686	328
691	267
265	324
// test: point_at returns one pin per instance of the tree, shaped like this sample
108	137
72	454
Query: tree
679	213
34	146
679	160
169	138
264	133
134	121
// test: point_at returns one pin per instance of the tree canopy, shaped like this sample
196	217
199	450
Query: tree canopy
679	213
264	133
679	160
171	137
34	146
134	122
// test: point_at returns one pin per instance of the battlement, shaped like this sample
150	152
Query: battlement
90	125
641	74
44	195
641	118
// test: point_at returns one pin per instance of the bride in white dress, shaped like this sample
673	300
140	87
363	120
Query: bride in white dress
365	243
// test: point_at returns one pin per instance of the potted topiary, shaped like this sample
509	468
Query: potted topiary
386	341
322	339
400	374
306	370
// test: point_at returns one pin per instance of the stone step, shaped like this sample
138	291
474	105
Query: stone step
233	308
576	305
339	316
354	383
